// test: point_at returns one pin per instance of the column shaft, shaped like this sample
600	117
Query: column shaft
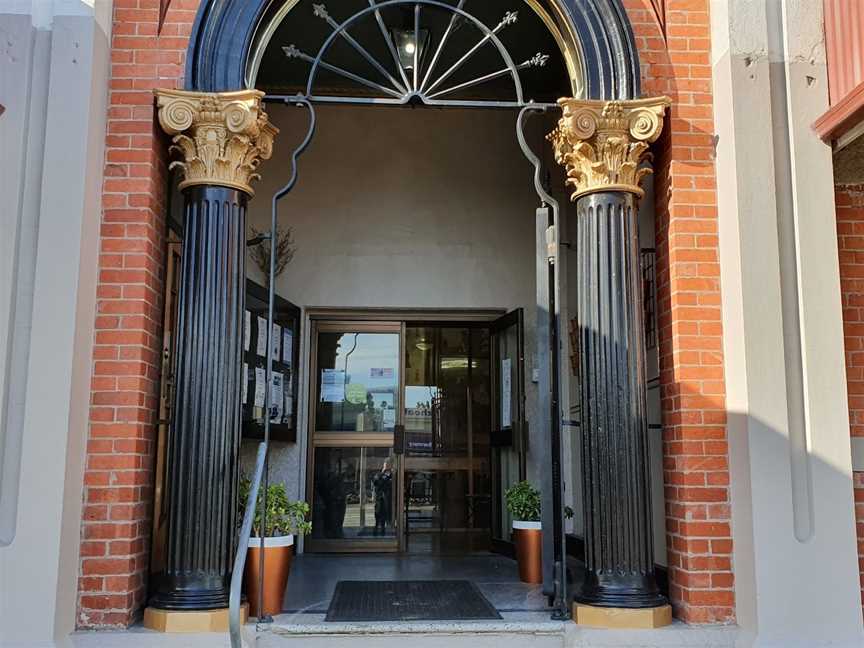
204	439
618	539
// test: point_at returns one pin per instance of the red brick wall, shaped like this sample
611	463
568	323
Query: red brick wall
118	480
850	244
696	469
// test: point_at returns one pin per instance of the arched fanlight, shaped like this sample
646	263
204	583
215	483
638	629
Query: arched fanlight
414	72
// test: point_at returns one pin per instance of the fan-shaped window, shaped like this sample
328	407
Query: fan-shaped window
431	52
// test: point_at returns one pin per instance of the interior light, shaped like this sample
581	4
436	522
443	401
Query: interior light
408	45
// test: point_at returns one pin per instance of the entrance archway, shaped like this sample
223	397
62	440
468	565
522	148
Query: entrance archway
594	36
602	147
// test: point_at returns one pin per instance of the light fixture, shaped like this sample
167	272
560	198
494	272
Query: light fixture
423	345
408	47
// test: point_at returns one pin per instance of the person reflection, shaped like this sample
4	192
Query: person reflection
332	490
382	483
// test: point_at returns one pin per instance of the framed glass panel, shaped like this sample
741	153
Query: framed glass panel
357	382
355	494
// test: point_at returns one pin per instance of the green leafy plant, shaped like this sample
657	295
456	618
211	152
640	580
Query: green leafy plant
284	517
523	502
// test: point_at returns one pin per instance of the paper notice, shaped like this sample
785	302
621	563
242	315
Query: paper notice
287	346
332	386
276	397
277	341
260	386
261	347
506	388
247	329
245	379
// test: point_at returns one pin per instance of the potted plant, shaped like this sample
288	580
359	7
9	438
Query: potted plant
283	521
523	503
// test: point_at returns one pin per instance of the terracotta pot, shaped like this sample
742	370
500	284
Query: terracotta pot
278	553
529	551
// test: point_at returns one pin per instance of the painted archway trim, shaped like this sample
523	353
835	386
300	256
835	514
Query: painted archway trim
224	30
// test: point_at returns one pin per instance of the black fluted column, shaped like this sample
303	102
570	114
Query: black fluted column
204	441
220	139
619	552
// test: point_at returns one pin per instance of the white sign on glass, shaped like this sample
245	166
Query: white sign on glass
260	386
506	388
261	346
287	345
332	385
245	379
276	397
277	340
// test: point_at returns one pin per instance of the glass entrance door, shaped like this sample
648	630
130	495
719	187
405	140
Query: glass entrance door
446	504
508	421
356	410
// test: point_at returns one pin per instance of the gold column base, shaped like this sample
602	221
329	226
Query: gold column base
622	618
177	621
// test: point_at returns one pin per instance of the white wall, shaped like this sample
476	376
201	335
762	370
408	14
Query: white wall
795	558
54	86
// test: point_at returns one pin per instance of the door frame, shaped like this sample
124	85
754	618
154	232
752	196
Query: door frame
371	320
352	439
519	426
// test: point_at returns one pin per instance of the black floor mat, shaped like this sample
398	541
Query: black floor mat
438	600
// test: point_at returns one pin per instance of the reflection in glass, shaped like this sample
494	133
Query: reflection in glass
358	382
354	494
446	417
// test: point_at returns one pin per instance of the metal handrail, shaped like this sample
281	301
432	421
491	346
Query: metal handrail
261	471
243	548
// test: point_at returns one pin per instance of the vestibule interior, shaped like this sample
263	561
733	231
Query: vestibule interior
399	210
403	210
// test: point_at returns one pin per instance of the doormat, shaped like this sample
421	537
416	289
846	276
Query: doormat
438	600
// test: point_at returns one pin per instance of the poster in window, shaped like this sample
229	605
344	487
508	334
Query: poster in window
287	345
332	386
245	379
261	346
276	397
277	341
506	389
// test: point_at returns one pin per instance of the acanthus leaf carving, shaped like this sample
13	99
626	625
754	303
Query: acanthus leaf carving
603	145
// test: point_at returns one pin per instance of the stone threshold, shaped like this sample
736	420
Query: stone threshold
506	633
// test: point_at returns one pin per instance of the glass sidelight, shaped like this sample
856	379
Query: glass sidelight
354	475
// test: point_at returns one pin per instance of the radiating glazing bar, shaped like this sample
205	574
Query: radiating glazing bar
416	45
321	12
509	18
389	41
444	38
292	52
539	60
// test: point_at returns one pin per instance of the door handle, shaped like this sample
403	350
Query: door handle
399	439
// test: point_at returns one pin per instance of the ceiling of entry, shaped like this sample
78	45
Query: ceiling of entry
306	28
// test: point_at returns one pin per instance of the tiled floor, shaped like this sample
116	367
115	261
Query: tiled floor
314	577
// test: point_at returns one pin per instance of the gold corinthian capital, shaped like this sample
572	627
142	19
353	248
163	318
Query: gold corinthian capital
222	137
602	144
